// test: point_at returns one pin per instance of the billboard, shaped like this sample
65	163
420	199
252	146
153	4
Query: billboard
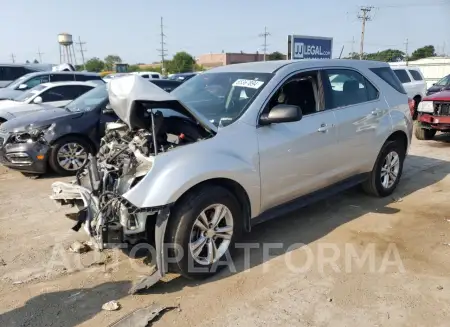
309	47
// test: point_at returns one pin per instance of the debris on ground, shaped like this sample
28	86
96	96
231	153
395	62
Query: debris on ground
397	199
330	299
2	262
440	288
147	281
141	317
111	306
78	247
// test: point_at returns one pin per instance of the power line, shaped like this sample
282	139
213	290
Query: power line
39	53
162	50
440	3
82	51
364	17
264	35
13	57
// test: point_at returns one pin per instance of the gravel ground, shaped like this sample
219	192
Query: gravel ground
317	275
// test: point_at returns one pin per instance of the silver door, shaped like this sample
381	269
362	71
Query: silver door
362	118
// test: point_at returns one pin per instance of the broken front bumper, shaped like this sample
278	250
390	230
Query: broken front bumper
91	216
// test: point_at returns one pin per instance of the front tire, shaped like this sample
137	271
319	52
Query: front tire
205	225
69	154
387	170
424	133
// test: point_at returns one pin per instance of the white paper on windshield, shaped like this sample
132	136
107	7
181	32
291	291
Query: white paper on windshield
248	83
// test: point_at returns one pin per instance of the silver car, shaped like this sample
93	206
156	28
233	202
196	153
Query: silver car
248	143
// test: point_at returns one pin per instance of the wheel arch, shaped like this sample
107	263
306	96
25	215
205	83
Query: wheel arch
401	137
77	135
233	187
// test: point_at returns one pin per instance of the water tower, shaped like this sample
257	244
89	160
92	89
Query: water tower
66	49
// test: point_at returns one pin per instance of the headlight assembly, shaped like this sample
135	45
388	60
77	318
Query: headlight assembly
31	133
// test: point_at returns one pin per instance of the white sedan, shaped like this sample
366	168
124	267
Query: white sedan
46	95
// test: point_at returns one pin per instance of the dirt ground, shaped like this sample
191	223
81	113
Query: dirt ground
404	280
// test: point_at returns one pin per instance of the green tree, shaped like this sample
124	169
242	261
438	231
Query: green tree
110	60
423	52
182	62
27	62
133	68
95	65
389	55
276	56
35	61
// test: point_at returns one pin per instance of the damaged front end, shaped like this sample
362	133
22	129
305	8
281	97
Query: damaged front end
127	154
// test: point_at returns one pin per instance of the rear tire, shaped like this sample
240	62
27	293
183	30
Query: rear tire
381	181
184	232
424	133
76	150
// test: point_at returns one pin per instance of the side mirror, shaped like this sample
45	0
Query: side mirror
282	113
107	109
22	87
37	100
434	84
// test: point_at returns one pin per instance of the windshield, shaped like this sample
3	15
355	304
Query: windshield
221	97
89	100
14	84
444	81
31	93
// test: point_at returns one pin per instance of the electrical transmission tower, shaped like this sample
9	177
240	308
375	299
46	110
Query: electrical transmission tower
162	50
364	17
13	57
82	51
406	51
265	35
39	53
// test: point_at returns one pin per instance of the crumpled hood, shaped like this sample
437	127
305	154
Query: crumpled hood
38	118
7	93
125	91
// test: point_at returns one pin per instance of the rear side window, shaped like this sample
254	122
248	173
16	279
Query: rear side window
155	76
416	75
144	76
402	75
84	78
61	77
387	75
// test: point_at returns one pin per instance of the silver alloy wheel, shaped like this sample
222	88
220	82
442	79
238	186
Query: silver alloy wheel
72	156
211	234
390	169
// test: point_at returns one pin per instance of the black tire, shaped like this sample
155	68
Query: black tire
182	221
424	133
373	184
53	160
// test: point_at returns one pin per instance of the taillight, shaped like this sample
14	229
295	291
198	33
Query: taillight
412	105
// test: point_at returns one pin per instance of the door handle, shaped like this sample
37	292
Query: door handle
324	128
375	112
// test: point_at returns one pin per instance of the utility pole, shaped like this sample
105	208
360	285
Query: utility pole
353	47
40	55
162	50
364	17
82	51
13	57
406	51
265	35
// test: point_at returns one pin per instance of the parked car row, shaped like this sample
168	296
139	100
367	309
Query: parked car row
42	128
233	147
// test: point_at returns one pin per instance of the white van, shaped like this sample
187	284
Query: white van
413	82
149	75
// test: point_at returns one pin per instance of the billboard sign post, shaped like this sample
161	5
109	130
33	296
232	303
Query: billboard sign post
309	47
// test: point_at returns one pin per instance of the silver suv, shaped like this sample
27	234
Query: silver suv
233	147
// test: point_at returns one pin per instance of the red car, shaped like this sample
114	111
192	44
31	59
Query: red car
433	115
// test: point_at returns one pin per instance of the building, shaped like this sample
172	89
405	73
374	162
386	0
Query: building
432	68
221	59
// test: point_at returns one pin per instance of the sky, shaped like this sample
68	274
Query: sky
131	29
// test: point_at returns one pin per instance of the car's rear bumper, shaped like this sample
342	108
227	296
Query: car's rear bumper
26	157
